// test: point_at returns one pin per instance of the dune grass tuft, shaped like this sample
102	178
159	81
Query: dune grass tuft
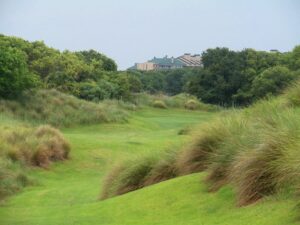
159	104
22	147
62	110
191	104
140	172
183	100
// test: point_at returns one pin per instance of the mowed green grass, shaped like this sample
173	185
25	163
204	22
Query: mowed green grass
68	192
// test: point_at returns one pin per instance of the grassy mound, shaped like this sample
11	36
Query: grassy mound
61	110
255	150
72	188
184	200
22	147
183	100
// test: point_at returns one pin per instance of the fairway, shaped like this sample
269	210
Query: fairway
68	192
76	183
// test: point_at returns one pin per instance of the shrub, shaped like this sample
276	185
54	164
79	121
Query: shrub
159	104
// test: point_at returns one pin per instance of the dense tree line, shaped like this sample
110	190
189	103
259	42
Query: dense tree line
227	77
86	74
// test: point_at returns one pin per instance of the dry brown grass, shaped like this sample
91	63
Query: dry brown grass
252	178
159	104
22	147
196	156
216	178
37	147
164	169
134	174
110	180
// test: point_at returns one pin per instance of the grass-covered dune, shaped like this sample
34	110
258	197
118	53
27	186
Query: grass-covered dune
183	100
27	143
255	150
61	110
69	192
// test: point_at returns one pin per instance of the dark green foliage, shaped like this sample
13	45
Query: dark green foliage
226	78
271	81
98	60
14	74
71	72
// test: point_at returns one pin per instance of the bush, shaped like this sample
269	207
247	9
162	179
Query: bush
159	104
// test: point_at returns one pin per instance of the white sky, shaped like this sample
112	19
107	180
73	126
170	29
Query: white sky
136	30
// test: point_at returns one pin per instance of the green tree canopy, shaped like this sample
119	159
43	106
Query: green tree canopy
14	74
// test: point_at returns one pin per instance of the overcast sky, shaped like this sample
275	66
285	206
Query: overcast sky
132	31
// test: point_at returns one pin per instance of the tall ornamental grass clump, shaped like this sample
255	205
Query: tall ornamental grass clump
23	147
137	173
159	104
